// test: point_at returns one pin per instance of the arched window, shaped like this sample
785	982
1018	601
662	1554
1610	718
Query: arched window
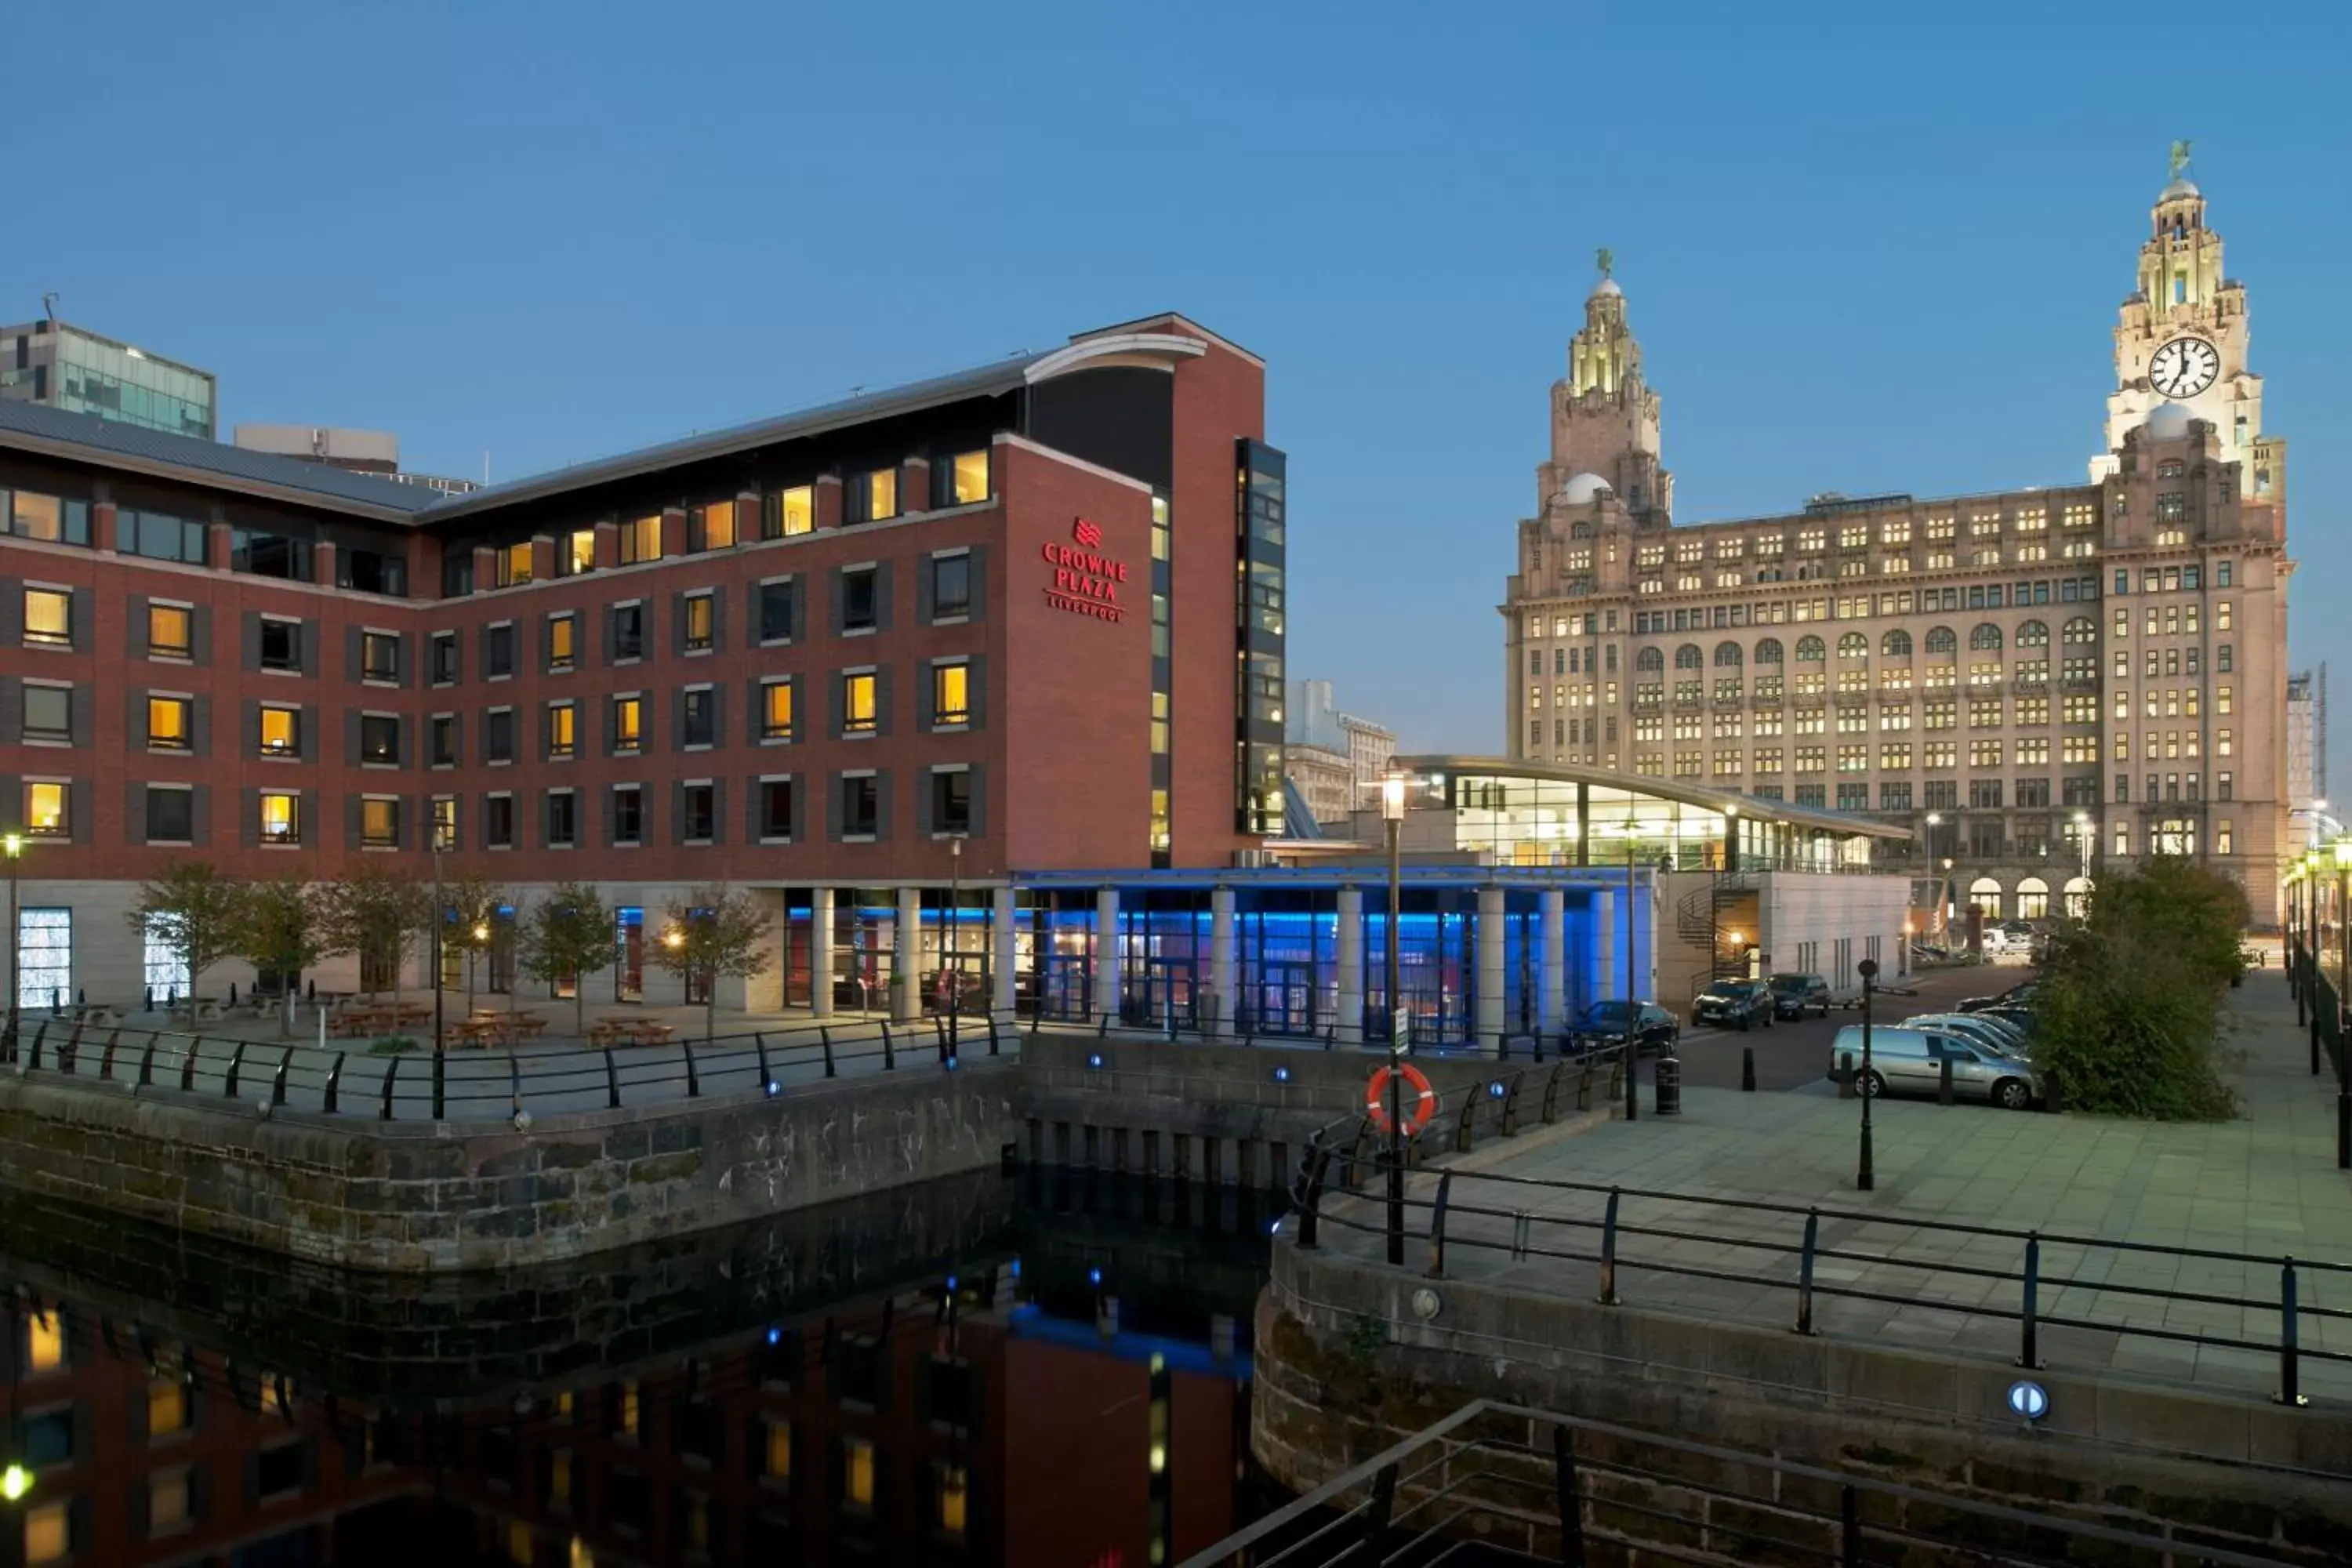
1768	651
2080	630
2032	899
2078	897
1648	660
1727	656
1687	656
1810	651
1942	640
2033	634
1895	645
1985	894
1853	645
1985	638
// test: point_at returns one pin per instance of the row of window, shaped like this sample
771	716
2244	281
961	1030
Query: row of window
161	536
1848	608
1815	538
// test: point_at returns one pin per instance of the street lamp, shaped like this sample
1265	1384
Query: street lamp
1865	1178
950	943
1631	1056
2343	971
440	918
14	844
1392	817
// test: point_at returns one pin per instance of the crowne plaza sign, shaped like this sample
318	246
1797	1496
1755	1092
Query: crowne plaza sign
1085	582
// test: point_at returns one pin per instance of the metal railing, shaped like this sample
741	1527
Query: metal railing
1523	1220
2316	997
1496	1481
487	1083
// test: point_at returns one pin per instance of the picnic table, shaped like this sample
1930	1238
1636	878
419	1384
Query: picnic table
612	1031
485	1027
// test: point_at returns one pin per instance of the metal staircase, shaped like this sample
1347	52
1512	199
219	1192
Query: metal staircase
1700	919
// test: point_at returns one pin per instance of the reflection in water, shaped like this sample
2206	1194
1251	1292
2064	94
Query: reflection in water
1045	1371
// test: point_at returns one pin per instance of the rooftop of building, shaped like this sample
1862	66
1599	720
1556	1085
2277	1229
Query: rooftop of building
1435	766
51	324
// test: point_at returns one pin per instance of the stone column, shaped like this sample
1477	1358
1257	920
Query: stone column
1492	1024
1001	956
764	992
1106	976
1605	965
1552	963
907	958
1351	965
1222	978
821	951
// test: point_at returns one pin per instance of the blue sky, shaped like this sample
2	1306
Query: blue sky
1863	252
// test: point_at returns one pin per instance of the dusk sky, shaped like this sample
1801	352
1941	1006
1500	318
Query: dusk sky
1863	252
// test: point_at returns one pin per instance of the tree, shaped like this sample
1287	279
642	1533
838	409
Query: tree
287	925
569	936
472	903
194	907
716	934
380	912
2131	999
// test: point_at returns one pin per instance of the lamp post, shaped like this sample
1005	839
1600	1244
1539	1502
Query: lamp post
1865	1178
440	918
2343	1047
947	939
1633	1054
1392	817
14	844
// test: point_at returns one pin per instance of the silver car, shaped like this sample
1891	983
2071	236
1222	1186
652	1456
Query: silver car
1905	1060
1998	1033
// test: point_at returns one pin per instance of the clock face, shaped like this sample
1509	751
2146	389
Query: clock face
2184	367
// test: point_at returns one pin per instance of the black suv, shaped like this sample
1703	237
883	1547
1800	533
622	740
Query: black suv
1734	1004
1604	1023
1794	996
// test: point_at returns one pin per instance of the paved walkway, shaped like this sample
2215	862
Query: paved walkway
2265	1184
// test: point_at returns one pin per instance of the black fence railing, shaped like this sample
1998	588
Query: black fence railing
2320	1010
1499	1482
488	1083
1449	1213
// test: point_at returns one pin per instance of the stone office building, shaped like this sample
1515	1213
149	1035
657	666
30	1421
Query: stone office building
2039	681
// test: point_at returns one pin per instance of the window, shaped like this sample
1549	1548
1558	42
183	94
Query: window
776	611
171	631
951	694
171	815
962	479
167	1407
498	821
563	819
628	814
575	553
380	739
562	738
48	617
1985	754
701	628
562	641
269	554
510	564
2221	616
860	608
281	817
873	496
697	715
380	656
442	823
379	823
702	811
857	710
281	731
445	657
775	813
776	710
951	586
788	513
2221	700
628	723
49	713
45	809
860	806
49	1533
628	632
641	540
857	1474
710	526
281	645
951	801
170	722
499	735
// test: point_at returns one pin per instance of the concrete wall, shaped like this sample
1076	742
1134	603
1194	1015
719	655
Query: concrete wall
1824	923
2244	1473
400	1197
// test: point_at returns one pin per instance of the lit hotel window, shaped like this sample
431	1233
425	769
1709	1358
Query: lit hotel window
874	497
628	727
955	1495
711	527
968	477
701	622
45	1342
789	512
167	1500
281	732
857	717
49	1533
45	809
776	710
170	631
169	723
576	552
281	817
776	1452
513	565
857	1474
641	540
951	694
167	1407
562	640
560	734
379	823
48	617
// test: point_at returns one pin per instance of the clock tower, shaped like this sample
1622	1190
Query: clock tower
2181	337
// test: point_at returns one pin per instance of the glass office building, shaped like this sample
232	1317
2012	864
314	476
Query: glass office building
63	366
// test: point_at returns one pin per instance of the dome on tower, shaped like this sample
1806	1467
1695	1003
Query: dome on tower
1582	489
1608	286
2168	422
2178	188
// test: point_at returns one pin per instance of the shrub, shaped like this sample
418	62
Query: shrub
391	1046
2130	1004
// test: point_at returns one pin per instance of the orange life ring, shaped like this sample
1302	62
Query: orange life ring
1419	1099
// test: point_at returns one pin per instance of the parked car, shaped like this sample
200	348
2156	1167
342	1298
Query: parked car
1654	1029
2023	1018
1911	1061
1980	1027
1734	1004
2022	992
1794	995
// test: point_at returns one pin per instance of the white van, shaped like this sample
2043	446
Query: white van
1906	1060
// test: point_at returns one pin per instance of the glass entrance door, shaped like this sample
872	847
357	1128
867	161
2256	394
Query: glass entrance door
1285	1000
629	954
1168	992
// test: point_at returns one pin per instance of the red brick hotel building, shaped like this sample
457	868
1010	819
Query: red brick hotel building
1027	617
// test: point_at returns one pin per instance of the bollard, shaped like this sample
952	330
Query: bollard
1944	1081
1668	1081
1845	1077
1748	1069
